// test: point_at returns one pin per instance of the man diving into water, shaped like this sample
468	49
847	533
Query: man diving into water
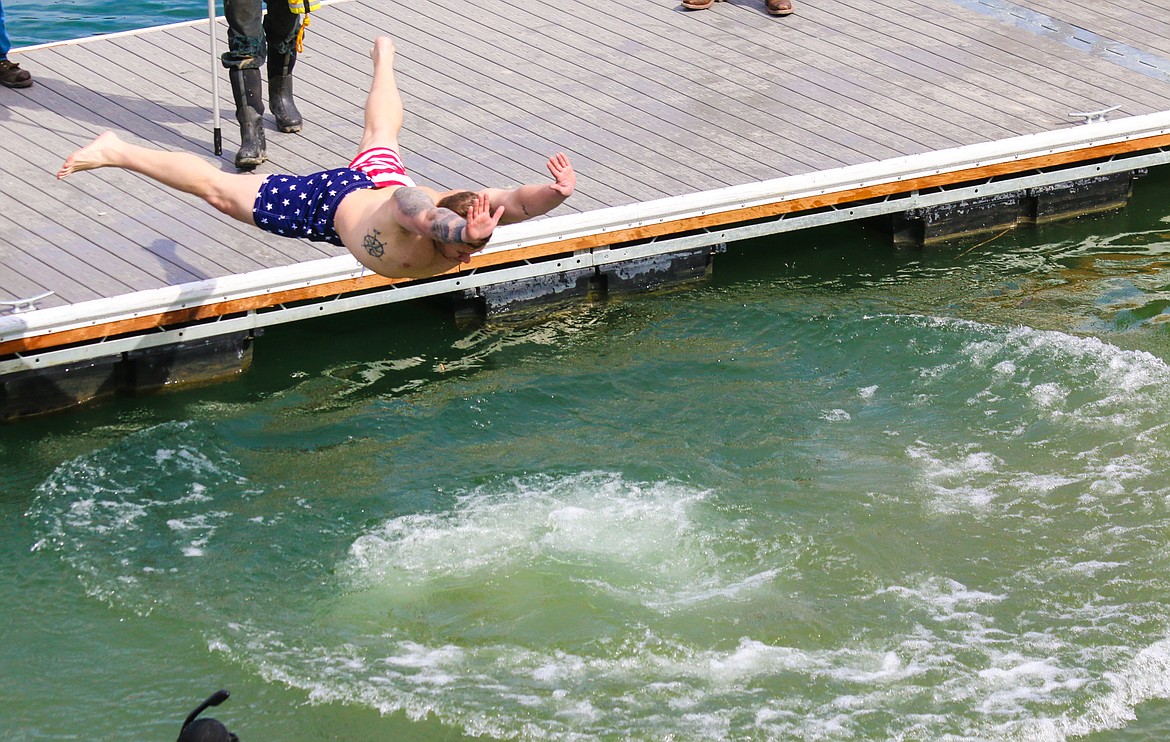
391	225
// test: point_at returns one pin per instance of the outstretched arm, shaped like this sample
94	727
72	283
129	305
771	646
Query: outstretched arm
535	199
416	212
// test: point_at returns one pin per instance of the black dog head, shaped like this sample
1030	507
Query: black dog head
206	730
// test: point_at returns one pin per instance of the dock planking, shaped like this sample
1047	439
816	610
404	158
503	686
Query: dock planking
649	100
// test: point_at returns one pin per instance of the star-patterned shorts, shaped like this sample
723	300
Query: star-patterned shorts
304	205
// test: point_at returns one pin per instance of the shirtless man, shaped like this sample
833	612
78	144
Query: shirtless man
391	225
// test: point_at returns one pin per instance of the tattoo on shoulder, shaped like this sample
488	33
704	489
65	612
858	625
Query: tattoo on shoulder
374	246
412	201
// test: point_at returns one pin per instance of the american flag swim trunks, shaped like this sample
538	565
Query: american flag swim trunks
384	167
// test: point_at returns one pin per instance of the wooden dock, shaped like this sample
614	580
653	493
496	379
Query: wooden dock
683	126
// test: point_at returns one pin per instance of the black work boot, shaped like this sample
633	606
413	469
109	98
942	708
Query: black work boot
246	88
12	76
280	92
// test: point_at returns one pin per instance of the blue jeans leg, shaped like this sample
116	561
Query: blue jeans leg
5	43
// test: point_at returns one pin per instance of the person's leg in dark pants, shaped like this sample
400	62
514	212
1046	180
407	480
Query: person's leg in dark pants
280	29
246	52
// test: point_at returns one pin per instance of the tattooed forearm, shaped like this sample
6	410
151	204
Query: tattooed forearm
448	226
416	206
373	245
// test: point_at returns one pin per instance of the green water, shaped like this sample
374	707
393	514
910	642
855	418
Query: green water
842	491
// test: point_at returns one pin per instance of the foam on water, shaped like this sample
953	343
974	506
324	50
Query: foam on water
636	542
101	510
1007	583
1114	387
969	663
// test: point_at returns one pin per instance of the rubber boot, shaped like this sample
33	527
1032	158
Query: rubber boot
280	92
246	88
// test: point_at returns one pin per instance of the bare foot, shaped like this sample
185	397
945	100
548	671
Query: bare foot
383	47
94	155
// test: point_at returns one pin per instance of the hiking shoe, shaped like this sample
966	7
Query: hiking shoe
12	76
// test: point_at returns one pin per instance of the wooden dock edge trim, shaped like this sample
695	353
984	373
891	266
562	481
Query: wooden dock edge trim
861	194
602	239
188	315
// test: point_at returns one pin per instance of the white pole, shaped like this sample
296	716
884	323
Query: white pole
217	134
